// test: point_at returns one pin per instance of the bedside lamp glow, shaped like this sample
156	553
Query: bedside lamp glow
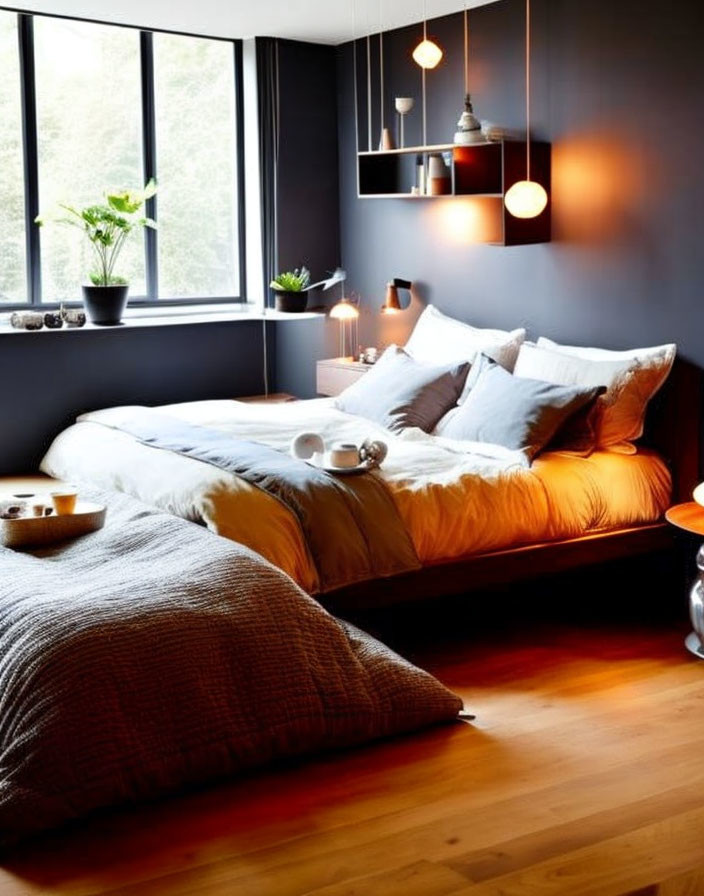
344	311
526	199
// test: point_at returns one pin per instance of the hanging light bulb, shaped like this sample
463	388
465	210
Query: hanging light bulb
427	54
526	198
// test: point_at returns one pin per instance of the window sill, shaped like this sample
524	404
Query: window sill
136	318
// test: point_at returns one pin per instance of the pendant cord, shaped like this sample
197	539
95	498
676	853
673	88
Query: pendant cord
369	94
425	37
381	68
466	52
422	78
356	89
528	89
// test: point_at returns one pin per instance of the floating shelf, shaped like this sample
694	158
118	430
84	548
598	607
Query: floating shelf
481	170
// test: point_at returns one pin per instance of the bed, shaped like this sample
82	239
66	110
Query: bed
509	457
454	501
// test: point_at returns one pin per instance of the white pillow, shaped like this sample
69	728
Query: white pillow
439	339
631	379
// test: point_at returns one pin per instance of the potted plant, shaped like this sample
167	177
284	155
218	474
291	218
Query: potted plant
291	289
107	226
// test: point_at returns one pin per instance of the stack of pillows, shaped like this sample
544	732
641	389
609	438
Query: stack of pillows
492	386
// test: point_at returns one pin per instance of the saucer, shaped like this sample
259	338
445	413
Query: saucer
323	464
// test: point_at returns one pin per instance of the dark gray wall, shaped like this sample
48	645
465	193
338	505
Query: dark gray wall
617	89
308	209
49	378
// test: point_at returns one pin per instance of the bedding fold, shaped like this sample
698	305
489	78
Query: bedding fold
352	528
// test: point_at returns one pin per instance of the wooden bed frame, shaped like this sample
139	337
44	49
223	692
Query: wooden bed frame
673	429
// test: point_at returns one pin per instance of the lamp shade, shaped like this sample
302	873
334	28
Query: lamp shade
427	54
344	310
391	303
526	199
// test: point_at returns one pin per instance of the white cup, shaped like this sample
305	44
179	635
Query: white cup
344	454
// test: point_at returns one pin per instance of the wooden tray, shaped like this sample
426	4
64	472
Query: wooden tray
35	531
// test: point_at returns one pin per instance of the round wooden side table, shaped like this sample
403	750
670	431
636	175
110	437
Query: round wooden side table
690	518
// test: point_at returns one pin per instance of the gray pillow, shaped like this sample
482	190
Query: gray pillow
516	412
399	392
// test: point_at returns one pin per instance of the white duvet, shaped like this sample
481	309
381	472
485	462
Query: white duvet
456	498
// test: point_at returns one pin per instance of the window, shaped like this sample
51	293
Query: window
107	107
89	135
196	163
13	285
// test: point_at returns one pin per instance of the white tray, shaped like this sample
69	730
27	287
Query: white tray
34	531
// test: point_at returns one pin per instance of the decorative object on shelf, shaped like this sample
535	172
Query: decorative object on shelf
53	320
526	198
439	180
291	290
392	304
420	173
494	133
403	105
469	128
27	320
427	54
106	225
345	312
386	142
73	318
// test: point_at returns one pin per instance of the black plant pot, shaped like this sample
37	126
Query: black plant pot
293	302
105	305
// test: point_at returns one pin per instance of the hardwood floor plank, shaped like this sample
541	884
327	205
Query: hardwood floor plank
610	867
581	747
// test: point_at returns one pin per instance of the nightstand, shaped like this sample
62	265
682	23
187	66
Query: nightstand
271	398
690	518
335	374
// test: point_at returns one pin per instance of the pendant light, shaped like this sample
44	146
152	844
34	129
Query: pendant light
469	128
526	198
427	54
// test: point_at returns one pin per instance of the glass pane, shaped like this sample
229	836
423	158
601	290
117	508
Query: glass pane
13	286
90	140
196	166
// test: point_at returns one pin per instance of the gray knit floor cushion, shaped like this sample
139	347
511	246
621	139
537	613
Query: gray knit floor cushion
152	655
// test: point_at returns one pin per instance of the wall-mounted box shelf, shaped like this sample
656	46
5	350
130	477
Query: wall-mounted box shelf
482	170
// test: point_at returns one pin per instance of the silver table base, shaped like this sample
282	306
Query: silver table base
694	641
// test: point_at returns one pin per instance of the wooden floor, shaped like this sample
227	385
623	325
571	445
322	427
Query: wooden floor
583	774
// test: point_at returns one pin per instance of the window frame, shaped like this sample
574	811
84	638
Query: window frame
30	161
